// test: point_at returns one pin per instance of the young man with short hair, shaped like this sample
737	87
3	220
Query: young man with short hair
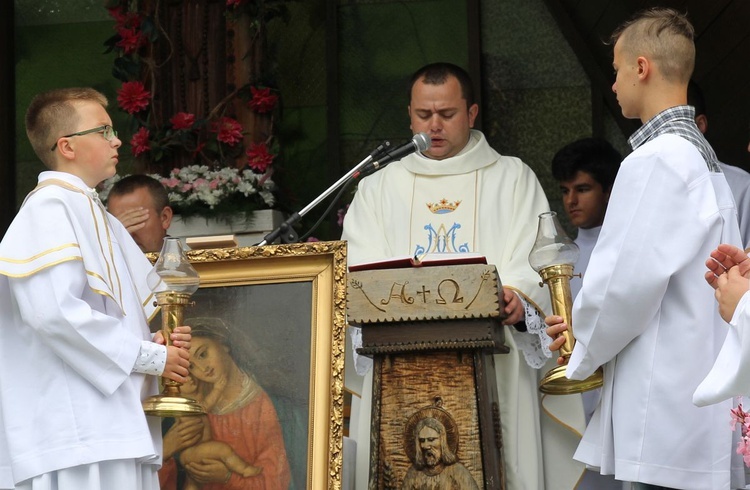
643	313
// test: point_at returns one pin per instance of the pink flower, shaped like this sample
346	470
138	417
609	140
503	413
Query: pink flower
182	120
170	183
133	97
258	157
139	142
235	3
229	131
130	39
263	100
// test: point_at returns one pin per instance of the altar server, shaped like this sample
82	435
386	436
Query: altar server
76	355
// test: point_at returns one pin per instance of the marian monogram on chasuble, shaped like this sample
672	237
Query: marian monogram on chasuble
443	215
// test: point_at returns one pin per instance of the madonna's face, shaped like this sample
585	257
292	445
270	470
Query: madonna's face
208	359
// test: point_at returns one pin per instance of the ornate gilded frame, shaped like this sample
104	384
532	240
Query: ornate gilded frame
322	265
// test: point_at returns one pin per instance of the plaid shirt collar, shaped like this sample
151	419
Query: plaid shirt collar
680	121
659	124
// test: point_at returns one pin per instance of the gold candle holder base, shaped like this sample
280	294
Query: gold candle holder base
172	406
555	382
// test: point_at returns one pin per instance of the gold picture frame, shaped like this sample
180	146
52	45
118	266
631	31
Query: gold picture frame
269	293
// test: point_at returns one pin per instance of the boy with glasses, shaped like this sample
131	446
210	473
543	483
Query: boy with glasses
76	355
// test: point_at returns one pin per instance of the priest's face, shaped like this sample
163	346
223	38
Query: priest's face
442	113
584	199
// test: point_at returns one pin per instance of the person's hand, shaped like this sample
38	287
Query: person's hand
185	433
555	328
180	337
133	219
513	307
723	258
178	364
730	287
207	471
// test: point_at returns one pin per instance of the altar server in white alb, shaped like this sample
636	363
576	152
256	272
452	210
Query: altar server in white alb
644	312
462	196
76	355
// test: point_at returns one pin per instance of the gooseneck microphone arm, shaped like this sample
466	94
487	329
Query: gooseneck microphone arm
376	160
286	231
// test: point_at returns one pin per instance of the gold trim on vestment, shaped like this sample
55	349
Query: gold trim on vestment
40	254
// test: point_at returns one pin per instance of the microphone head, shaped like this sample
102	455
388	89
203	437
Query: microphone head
422	141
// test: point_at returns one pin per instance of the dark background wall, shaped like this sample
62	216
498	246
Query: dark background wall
343	66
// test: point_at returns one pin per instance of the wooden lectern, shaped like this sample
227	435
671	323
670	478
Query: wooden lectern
431	332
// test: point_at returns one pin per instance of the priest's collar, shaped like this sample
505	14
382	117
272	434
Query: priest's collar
475	155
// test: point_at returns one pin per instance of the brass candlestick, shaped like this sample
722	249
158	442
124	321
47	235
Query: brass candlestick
173	279
553	256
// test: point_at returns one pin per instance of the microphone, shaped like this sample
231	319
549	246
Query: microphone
419	142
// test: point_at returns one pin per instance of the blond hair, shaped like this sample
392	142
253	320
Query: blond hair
665	36
53	114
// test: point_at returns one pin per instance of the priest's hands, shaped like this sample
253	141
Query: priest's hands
555	328
513	307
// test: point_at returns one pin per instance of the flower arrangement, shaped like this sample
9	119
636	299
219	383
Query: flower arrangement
742	419
198	190
222	160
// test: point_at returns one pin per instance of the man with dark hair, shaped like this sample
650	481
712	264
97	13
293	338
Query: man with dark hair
586	170
642	312
738	179
461	195
141	204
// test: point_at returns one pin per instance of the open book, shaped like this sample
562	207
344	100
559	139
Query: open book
402	261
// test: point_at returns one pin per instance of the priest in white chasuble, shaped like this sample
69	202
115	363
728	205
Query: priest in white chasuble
461	196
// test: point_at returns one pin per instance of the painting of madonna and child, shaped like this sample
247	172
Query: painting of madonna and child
250	368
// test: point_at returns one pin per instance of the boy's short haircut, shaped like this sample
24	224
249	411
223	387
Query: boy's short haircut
663	35
53	114
595	156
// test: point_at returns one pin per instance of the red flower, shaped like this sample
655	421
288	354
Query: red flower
139	142
263	100
182	120
125	19
229	131
258	157
131	39
133	97
235	3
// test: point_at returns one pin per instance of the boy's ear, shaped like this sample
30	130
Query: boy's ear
65	149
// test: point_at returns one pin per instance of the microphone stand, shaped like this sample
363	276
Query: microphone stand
286	231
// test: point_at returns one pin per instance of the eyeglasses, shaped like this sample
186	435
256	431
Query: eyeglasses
107	131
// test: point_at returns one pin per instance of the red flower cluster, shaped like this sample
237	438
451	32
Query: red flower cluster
133	97
258	157
263	100
235	3
139	142
182	120
229	131
127	25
